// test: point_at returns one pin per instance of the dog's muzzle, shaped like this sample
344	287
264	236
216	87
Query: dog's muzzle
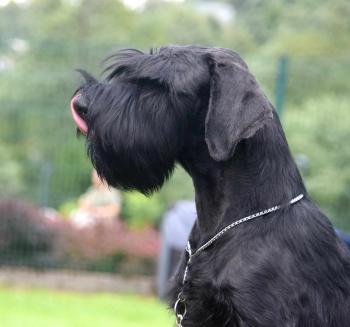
78	110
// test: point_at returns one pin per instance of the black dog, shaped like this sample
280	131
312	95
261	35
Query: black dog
202	108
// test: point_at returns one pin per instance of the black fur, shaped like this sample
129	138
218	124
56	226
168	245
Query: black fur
202	108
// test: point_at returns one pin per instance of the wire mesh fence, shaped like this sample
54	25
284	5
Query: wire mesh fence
44	169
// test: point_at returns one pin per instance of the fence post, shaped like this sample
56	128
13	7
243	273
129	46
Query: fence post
281	83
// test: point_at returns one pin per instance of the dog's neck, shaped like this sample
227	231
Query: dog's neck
261	174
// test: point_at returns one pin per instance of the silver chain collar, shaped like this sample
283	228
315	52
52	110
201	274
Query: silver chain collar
180	307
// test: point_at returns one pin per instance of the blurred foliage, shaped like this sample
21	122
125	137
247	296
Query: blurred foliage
10	172
140	210
305	27
42	43
322	140
28	237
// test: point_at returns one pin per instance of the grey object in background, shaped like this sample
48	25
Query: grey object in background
175	229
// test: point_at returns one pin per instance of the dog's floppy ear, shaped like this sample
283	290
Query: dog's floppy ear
237	105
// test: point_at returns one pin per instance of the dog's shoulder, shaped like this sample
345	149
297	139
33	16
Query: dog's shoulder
297	273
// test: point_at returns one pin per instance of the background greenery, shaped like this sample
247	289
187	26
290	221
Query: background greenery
41	44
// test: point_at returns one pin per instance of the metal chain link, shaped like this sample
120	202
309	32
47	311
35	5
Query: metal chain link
180	313
240	221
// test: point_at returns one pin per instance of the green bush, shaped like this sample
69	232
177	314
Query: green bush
10	172
319	129
140	211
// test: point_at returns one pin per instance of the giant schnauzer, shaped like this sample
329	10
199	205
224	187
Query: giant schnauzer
261	253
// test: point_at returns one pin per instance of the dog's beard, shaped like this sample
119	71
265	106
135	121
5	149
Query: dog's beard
134	137
136	171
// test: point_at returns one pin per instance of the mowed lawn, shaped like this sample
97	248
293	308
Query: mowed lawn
42	308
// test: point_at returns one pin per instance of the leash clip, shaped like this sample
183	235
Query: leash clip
180	309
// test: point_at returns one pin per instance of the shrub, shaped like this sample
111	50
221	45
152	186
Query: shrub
30	238
10	172
319	129
26	236
141	211
112	247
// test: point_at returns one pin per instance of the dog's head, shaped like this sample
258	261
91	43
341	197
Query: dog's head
141	117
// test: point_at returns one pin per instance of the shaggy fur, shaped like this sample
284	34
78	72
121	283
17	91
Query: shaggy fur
202	108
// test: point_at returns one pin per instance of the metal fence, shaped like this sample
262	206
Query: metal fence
43	164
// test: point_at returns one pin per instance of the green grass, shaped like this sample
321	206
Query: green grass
41	308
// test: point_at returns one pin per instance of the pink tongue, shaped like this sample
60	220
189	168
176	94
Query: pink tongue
77	119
